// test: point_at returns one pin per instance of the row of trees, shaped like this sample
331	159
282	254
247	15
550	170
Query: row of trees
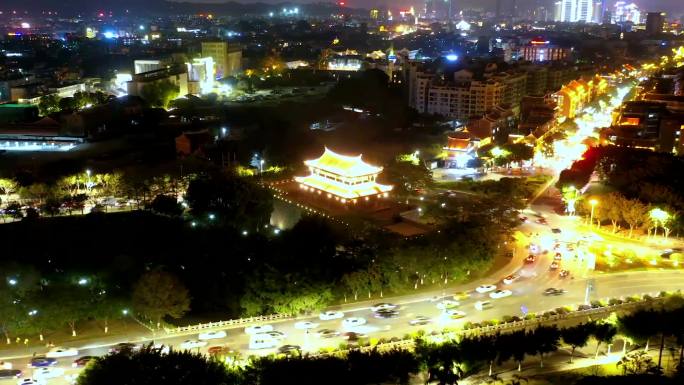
452	361
662	323
642	180
50	104
618	210
33	305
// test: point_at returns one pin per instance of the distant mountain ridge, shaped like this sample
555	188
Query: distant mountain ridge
160	7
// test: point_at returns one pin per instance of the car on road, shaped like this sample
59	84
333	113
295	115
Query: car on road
542	221
448	304
46	373
554	265
352	322
386	314
160	348
330	315
258	329
42	361
123	347
563	273
420	320
455	314
6	374
383	306
557	257
290	349
218	350
212	335
523	219
500	294
327	333
192	344
262	341
530	259
553	291
82	361
510	279
556	230
485	288
30	381
667	253
353	336
482	305
305	325
59	351
461	295
276	335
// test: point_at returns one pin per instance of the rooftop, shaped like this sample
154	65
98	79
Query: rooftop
350	166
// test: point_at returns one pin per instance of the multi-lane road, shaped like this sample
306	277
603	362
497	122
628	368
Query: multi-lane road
527	292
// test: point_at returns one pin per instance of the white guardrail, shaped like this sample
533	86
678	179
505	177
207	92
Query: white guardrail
539	319
228	324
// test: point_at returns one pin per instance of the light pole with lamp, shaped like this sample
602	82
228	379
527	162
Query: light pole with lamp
593	204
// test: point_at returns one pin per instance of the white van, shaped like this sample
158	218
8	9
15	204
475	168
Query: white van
482	305
262	341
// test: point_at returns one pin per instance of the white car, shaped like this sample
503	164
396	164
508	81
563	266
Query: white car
352	322
212	335
500	294
510	279
161	348
383	307
192	344
448	304
258	329
61	352
482	305
262	341
305	325
485	288
45	373
454	314
329	315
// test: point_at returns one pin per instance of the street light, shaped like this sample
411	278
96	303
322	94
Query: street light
593	204
83	281
12	281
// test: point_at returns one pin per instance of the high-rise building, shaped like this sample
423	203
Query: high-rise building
624	12
227	57
655	22
557	11
439	9
572	11
598	12
585	9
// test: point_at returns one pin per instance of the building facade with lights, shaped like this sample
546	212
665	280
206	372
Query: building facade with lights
343	178
459	149
542	51
227	57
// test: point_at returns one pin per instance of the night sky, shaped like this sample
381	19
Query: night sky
674	6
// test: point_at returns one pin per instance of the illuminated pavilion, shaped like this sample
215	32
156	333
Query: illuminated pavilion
343	178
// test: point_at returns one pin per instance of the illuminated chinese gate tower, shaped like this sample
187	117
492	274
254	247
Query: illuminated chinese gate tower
343	178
